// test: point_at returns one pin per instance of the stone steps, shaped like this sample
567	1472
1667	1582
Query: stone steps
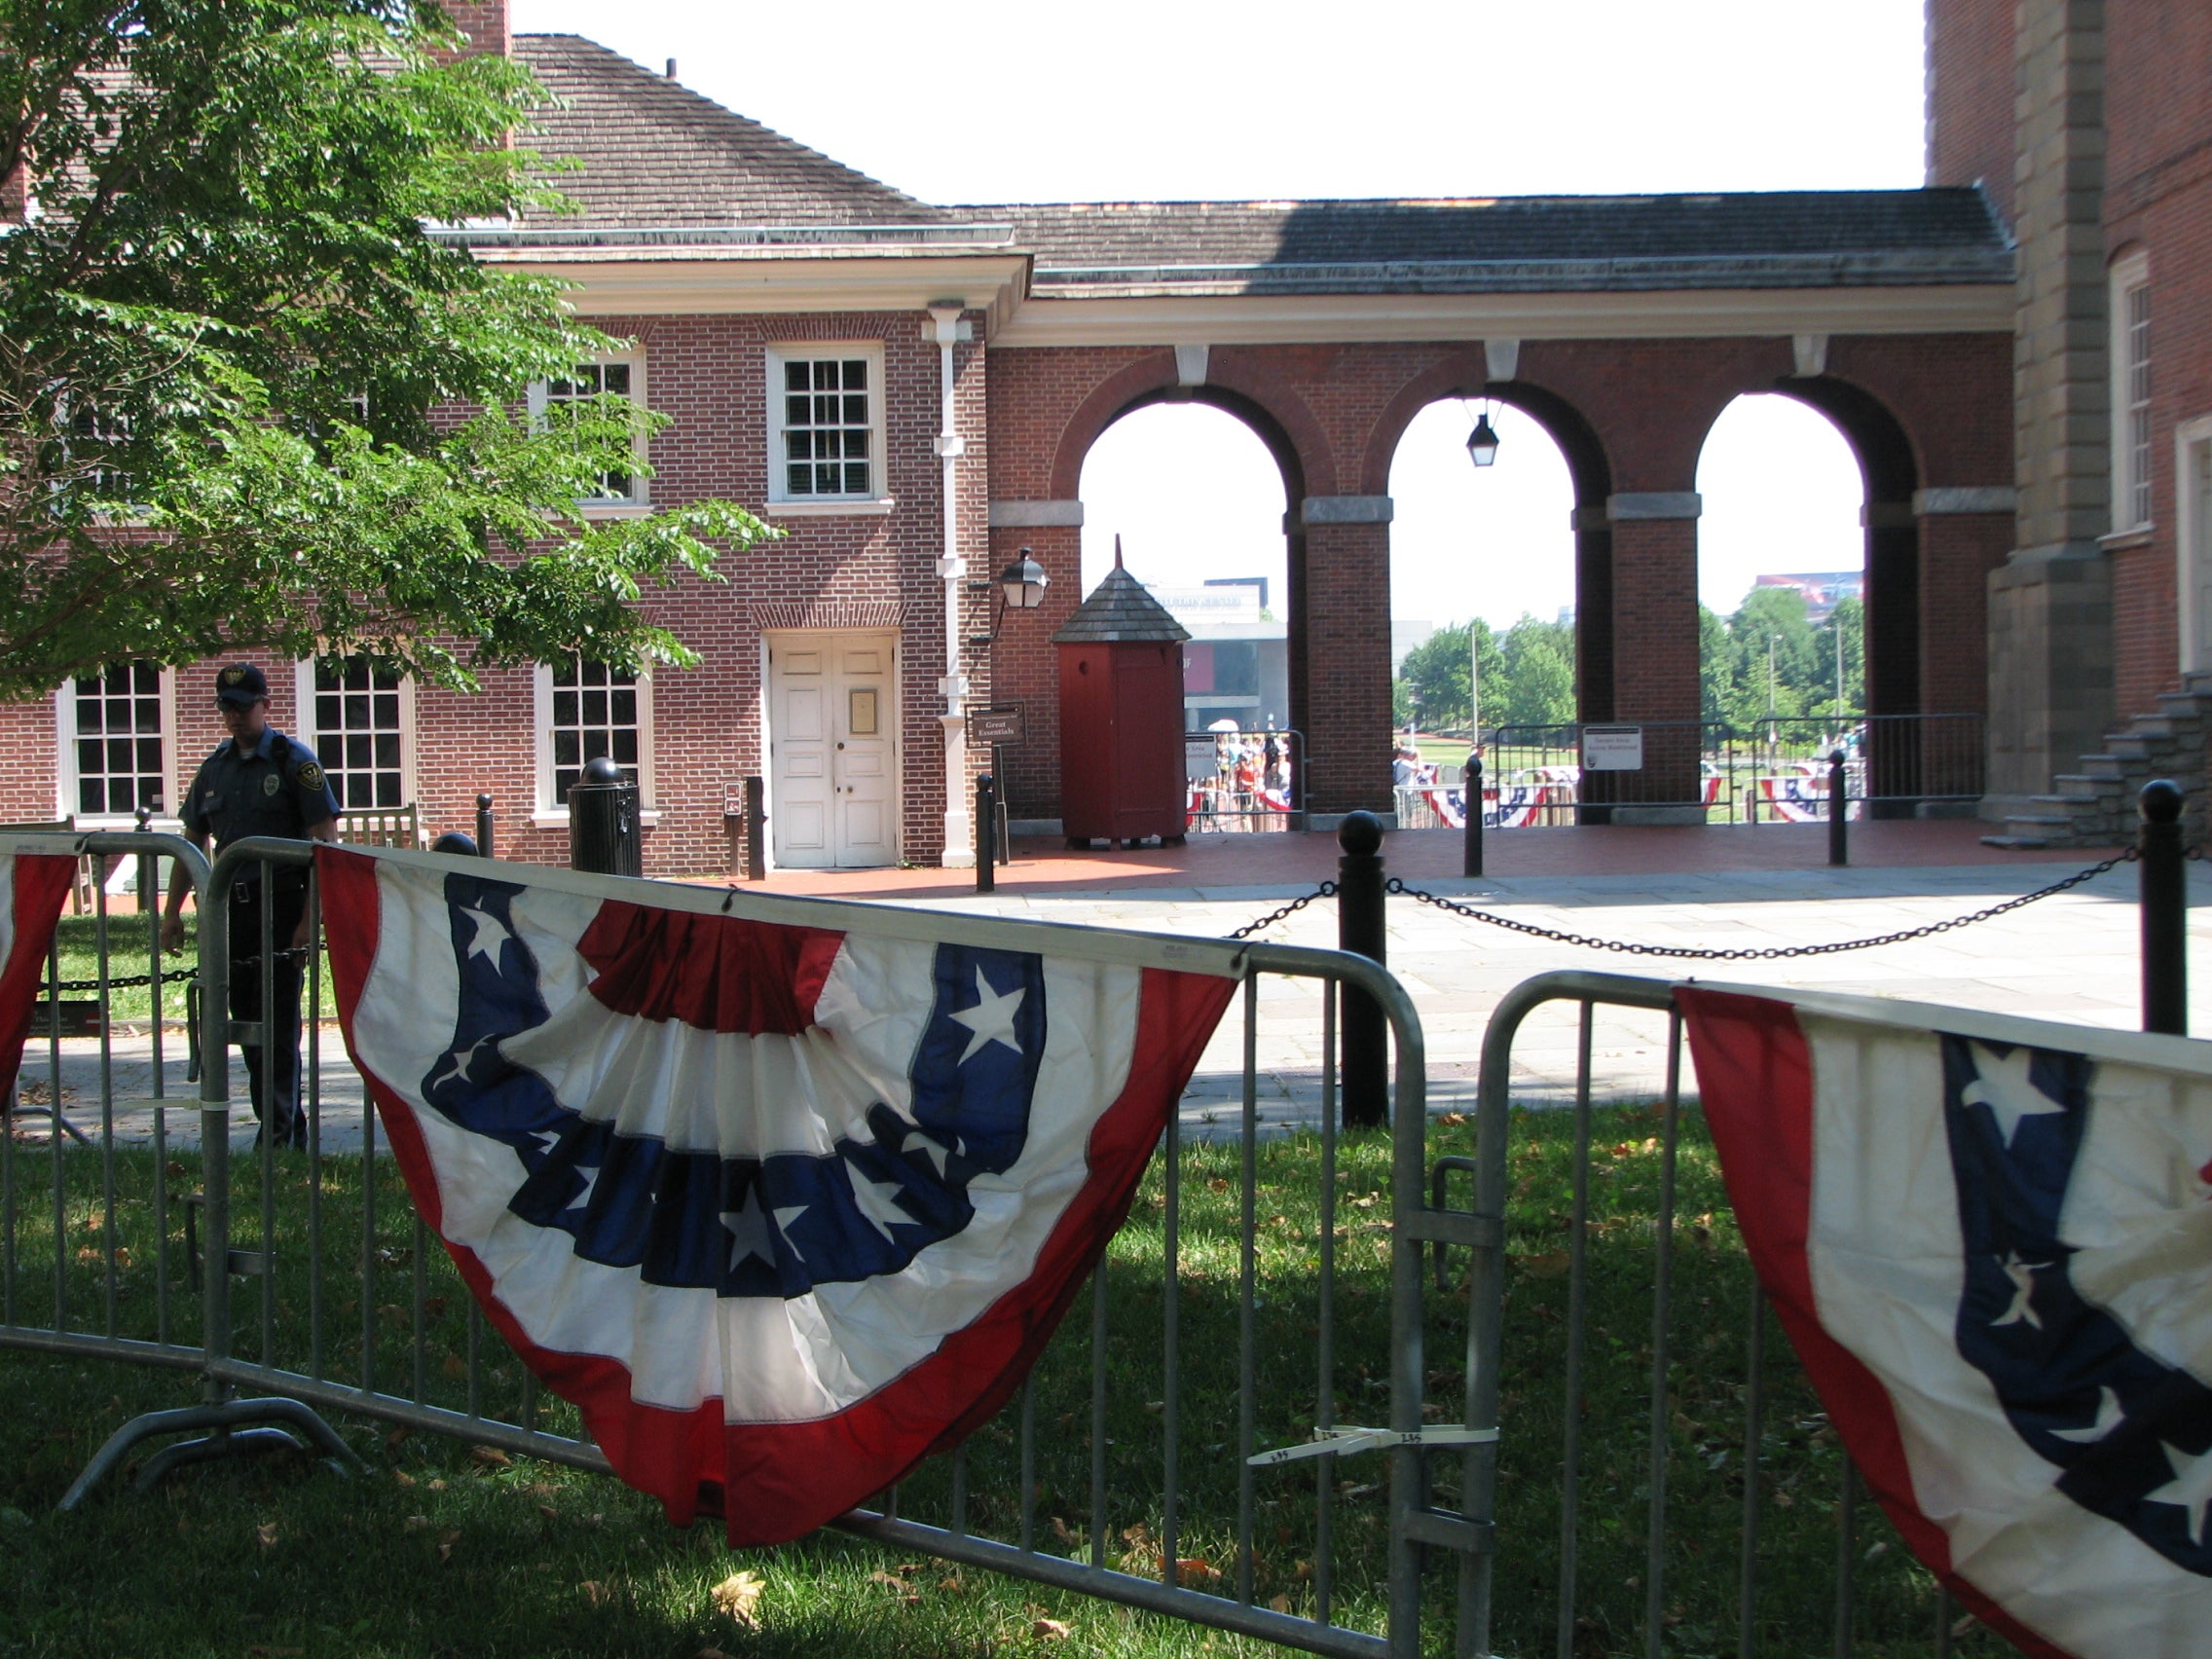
2095	805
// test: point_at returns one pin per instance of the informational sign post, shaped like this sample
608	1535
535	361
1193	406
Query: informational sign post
1612	749
1200	757
995	725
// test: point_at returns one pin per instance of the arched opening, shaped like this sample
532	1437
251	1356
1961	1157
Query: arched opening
1201	506
1483	579
1808	588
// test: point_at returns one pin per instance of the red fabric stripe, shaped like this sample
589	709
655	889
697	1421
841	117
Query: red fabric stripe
41	883
717	973
1755	1076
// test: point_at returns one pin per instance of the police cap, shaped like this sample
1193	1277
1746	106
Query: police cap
240	684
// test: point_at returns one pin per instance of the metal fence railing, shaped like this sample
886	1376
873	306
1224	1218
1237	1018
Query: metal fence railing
1245	780
298	1283
1775	771
1666	1480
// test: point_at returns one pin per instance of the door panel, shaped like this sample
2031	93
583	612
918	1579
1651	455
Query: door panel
834	754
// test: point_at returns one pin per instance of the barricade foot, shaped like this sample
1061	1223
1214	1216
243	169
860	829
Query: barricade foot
237	1432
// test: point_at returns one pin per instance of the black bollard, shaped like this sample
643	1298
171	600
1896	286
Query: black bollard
756	829
1359	928
2164	905
458	842
1839	851
1471	800
986	834
483	825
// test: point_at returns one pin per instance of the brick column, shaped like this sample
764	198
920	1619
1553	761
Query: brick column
1024	661
1655	644
1965	534
1344	619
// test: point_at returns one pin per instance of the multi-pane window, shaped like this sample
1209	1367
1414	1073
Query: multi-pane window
2137	321
2130	355
119	760
358	732
829	427
590	381
593	712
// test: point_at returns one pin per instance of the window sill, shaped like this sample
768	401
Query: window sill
614	509
830	509
557	818
2128	541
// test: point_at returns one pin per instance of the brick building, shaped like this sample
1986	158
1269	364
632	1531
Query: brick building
910	391
2088	124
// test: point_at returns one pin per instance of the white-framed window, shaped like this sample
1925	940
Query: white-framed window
587	710
825	425
116	729
624	376
2132	393
359	719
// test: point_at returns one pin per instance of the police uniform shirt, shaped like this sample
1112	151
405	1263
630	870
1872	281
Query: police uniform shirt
276	788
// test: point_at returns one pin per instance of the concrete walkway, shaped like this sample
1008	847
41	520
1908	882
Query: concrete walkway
2070	958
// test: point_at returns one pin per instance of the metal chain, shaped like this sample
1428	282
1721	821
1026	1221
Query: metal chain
1327	890
176	976
1770	954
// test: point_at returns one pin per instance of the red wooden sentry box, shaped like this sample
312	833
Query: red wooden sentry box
1122	716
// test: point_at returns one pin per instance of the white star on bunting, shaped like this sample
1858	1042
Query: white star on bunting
749	1230
460	1062
877	1201
2191	1489
2023	1277
2109	1416
2001	1085
590	1173
491	934
991	1020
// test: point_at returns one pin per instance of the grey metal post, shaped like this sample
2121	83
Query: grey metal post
2164	905
483	825
1360	929
1471	799
986	834
1839	853
755	828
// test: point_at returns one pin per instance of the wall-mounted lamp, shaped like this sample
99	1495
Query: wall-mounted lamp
1021	587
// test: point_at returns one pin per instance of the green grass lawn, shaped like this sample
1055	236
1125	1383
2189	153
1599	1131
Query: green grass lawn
441	1550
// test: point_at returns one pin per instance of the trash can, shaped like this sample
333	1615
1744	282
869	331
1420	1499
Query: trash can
603	832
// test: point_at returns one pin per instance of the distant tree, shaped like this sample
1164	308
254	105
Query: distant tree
1538	672
1768	657
1439	668
233	330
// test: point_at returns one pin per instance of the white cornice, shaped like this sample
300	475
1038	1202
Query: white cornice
1248	319
664	282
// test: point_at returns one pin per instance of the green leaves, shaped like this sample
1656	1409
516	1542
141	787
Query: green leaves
231	342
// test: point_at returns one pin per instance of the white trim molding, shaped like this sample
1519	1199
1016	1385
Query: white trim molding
1642	504
1809	355
1036	515
306	728
2131	354
65	797
1191	364
545	811
1348	509
786	351
639	498
1502	359
2193	539
1966	499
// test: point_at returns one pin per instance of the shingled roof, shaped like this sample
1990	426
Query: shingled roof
653	154
1119	608
1777	239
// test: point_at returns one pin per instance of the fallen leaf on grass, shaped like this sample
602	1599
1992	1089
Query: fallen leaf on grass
1050	1630
1550	1264
1219	1184
954	1585
1280	1601
267	1533
455	1366
415	1524
890	1578
710	1653
397	1437
1196	1569
549	1512
446	1542
1453	1120
491	1456
403	1477
739	1595
592	1591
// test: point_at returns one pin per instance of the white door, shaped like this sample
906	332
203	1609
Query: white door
832	750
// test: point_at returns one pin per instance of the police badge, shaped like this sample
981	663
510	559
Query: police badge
269	784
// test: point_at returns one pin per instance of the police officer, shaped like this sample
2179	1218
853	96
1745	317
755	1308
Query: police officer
259	782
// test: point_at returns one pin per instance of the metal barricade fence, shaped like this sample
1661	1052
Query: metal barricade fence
1245	780
1156	1459
1666	1481
108	1224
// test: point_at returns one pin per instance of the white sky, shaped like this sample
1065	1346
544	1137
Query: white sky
1204	98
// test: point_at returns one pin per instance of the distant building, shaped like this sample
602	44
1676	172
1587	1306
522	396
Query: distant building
1824	590
1237	662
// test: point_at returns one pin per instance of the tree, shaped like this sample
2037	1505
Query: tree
1437	672
230	337
1538	672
